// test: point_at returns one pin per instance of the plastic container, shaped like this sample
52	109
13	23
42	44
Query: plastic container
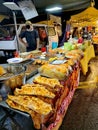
13	78
68	46
54	45
47	48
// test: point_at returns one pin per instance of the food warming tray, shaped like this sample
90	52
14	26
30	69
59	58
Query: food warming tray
22	120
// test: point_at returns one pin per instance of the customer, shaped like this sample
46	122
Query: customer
31	36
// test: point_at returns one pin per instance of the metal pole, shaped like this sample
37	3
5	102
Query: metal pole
14	17
47	27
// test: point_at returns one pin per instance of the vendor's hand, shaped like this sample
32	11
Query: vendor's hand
26	44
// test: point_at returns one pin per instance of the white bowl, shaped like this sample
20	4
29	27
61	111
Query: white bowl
14	60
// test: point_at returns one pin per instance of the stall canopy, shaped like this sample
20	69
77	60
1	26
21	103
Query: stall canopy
2	17
88	17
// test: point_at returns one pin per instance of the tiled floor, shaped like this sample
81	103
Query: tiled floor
82	113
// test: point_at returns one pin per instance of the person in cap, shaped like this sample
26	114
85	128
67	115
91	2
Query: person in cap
31	36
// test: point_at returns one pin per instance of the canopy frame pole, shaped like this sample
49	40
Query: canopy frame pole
15	23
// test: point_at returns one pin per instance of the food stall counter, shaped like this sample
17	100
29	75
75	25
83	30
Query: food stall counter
52	89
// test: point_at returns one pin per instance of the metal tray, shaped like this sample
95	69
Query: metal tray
22	119
31	74
26	62
12	71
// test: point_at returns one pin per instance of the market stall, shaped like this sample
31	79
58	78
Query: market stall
49	94
86	22
88	17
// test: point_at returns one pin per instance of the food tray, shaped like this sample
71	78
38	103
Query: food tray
32	67
31	74
31	70
12	71
57	62
26	62
21	119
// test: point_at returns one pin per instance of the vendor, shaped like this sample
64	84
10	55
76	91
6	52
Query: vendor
75	33
32	37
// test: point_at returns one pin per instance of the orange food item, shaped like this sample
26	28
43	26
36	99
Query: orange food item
2	70
54	71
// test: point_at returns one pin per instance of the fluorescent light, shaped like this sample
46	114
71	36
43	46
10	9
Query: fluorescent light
11	5
54	9
28	9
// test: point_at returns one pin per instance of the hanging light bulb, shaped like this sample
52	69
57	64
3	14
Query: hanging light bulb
92	3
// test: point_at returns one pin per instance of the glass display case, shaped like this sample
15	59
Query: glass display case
13	77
